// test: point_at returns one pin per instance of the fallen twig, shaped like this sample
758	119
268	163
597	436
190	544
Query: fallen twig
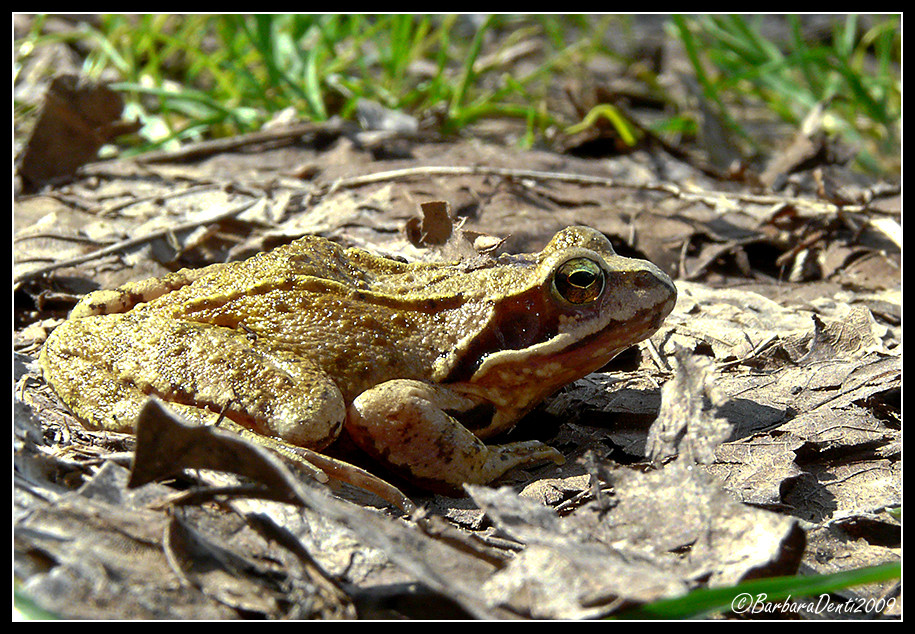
710	197
132	242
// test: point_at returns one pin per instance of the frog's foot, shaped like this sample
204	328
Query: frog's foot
405	424
103	370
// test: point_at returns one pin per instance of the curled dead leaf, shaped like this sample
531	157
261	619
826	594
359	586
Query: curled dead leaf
166	446
434	228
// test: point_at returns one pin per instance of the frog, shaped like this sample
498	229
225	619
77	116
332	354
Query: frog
418	363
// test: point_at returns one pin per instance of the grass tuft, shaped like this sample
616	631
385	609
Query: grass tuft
195	76
855	74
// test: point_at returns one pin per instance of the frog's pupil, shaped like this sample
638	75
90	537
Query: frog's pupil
581	279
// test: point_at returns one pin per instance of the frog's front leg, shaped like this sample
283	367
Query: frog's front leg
406	424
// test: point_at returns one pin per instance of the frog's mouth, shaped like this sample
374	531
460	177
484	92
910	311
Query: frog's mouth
565	357
555	358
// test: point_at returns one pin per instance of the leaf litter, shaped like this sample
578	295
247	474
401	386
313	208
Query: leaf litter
773	446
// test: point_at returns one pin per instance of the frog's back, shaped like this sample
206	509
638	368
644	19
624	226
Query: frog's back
357	316
309	256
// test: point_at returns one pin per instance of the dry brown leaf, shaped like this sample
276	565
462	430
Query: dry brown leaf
77	118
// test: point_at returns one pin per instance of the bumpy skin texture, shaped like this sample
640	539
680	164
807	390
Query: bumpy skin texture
309	338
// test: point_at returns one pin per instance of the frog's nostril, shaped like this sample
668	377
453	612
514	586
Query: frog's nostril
644	279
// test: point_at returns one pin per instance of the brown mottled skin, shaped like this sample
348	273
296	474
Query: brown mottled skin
310	338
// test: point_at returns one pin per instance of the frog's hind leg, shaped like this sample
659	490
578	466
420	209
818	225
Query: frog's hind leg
406	424
104	366
74	361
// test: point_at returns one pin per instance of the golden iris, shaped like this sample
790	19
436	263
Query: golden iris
579	280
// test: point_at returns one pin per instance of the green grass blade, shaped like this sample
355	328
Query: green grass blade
801	54
468	74
313	85
708	600
624	129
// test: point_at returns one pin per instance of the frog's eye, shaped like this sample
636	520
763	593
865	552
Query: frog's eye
579	280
